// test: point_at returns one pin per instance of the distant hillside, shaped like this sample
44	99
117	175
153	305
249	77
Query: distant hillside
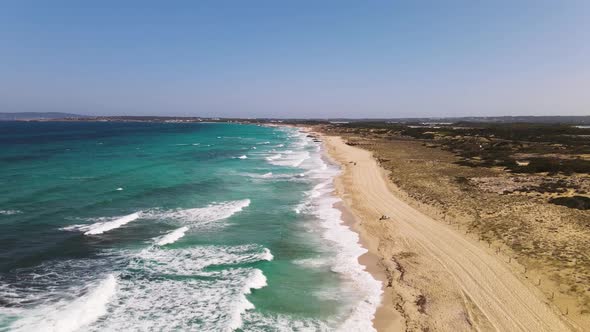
37	116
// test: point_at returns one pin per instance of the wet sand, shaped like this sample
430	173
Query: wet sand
386	317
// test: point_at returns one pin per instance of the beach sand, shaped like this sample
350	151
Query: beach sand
387	318
435	277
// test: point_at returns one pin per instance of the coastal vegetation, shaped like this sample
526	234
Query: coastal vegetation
523	189
520	148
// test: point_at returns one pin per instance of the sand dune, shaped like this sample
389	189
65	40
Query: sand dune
438	278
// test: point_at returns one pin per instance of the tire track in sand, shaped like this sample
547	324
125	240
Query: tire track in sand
506	301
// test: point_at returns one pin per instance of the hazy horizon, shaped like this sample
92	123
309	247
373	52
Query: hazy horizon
334	59
299	118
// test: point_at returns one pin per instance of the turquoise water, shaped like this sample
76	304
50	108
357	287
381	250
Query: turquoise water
166	227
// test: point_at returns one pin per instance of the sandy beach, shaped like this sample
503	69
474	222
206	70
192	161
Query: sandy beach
435	277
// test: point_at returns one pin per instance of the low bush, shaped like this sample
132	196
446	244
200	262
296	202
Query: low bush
574	202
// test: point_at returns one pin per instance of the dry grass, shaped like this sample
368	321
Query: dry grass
549	241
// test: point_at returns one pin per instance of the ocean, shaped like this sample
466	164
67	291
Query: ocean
109	226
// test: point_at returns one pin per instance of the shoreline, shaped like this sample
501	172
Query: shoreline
385	318
382	320
435	276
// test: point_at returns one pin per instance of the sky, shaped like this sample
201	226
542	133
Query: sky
296	59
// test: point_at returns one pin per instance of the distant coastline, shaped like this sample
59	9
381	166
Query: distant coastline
70	117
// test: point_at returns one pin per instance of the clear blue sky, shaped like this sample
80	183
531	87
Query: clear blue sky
296	58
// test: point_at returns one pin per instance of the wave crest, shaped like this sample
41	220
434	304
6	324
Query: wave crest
209	213
70	316
9	212
204	215
172	237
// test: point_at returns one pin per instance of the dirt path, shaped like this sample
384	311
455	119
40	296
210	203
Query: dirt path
464	285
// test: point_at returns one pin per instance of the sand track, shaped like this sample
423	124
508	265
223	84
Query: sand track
494	296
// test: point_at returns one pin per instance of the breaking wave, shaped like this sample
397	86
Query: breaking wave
172	237
66	316
201	216
171	289
9	212
104	226
211	212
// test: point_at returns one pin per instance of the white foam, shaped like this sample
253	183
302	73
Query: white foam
102	227
256	280
319	201
174	291
346	263
274	157
290	159
275	177
172	236
312	262
9	212
267	255
266	175
243	157
70	316
169	304
257	321
201	216
119	189
186	261
77	227
212	212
